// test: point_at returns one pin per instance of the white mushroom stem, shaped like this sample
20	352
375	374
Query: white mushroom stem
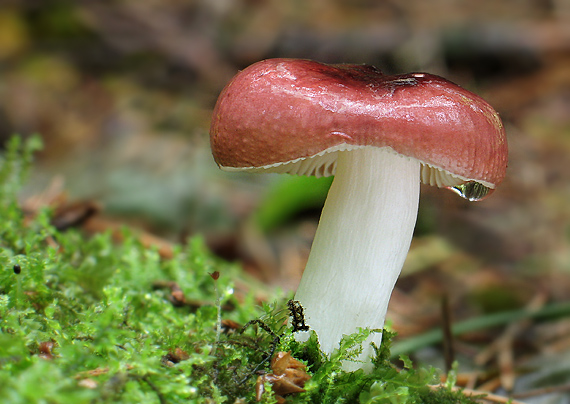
360	246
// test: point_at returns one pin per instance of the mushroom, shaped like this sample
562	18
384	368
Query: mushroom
380	135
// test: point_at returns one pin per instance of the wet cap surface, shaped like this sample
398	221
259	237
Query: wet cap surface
288	115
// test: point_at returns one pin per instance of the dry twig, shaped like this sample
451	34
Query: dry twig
502	347
488	397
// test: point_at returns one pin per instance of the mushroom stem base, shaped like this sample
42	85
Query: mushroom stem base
361	243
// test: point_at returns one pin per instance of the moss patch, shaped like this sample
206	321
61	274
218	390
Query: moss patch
85	320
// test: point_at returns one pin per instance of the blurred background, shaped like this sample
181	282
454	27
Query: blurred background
122	91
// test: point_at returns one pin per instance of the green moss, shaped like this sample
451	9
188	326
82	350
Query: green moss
117	337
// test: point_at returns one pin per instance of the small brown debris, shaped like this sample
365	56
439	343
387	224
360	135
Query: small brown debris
75	214
92	373
178	299
229	326
45	349
288	377
176	296
172	358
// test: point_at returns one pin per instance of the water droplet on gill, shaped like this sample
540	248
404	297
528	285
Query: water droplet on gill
472	191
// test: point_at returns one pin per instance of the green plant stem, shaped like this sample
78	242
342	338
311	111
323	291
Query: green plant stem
554	310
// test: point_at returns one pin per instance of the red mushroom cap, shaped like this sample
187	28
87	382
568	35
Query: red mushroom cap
280	115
